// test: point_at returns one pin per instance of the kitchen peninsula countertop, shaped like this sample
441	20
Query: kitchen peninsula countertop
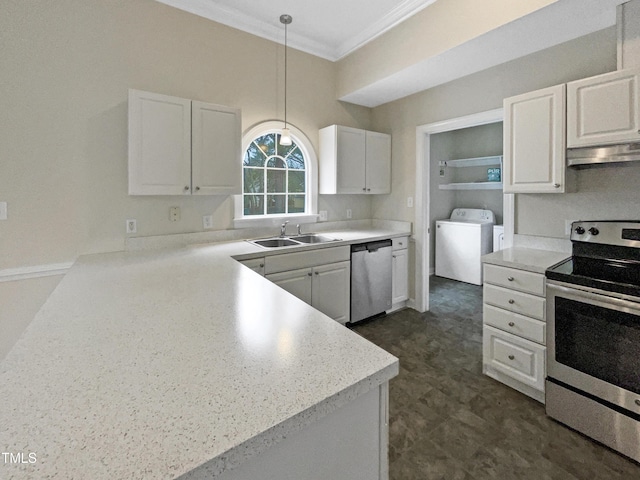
150	364
529	259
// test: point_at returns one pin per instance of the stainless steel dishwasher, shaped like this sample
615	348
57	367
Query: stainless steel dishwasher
370	279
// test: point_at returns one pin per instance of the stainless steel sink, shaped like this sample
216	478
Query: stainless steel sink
313	238
275	242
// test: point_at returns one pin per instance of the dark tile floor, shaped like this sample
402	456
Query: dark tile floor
449	421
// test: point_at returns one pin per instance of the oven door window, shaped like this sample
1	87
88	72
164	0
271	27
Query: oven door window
600	342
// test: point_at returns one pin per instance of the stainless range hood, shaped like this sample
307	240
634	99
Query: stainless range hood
580	157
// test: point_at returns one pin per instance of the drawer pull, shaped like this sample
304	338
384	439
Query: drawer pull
511	357
511	301
511	324
638	402
510	279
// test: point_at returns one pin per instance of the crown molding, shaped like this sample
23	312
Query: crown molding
399	14
236	19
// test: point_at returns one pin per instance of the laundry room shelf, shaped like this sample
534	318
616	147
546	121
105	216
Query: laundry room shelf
471	186
474	162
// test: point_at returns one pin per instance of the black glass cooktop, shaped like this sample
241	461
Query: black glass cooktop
612	275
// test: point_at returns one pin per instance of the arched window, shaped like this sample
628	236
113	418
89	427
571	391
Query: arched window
277	181
274	177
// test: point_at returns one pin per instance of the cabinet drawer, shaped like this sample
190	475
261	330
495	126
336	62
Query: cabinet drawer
524	327
521	280
399	243
517	302
308	258
518	358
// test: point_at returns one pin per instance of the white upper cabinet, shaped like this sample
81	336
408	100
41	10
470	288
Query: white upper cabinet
353	160
534	142
604	110
159	144
180	147
216	158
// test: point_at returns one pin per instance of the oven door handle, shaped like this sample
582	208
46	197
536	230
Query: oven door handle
612	300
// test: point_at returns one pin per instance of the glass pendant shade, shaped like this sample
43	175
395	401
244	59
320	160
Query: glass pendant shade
285	137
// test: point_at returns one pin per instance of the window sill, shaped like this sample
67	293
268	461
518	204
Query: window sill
264	221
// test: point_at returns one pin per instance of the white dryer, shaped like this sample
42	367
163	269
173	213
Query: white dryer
460	242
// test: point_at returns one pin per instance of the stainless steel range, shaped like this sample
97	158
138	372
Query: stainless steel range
593	335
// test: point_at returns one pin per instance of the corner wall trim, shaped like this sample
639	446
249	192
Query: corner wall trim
35	271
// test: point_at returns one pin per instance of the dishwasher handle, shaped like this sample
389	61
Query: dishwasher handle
371	246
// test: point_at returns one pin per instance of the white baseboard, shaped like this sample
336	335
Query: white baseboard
35	271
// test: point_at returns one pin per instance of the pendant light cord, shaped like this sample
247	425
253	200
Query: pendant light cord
285	75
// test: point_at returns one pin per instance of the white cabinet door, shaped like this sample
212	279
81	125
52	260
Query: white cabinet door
604	109
353	160
296	282
331	290
378	162
400	276
534	142
351	151
159	144
216	158
255	264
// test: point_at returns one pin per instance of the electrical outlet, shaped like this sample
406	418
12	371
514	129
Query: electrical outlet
207	221
3	210
323	215
349	213
410	202
132	225
174	214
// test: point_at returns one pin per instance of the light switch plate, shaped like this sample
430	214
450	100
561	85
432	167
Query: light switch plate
3	210
323	215
349	213
410	202
207	221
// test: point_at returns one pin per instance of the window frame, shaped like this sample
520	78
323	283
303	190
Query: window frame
311	180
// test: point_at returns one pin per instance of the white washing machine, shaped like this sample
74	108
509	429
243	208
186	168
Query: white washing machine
460	242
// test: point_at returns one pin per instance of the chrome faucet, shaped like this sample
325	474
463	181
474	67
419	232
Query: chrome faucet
283	229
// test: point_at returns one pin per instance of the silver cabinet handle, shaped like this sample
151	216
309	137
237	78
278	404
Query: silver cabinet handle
262	265
512	301
364	189
317	273
638	402
511	357
197	188
511	324
400	243
186	188
309	274
556	185
510	279
368	189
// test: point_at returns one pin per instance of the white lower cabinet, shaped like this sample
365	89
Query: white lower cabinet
324	282
296	282
255	264
514	329
399	272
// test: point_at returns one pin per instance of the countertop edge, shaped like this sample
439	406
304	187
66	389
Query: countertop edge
521	258
263	441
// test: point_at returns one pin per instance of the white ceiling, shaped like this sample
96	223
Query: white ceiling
332	29
329	29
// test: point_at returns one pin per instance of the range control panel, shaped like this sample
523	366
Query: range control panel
624	233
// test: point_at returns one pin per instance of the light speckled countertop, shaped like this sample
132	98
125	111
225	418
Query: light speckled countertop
149	364
529	259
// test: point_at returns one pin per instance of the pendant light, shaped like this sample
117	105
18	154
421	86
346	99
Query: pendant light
285	135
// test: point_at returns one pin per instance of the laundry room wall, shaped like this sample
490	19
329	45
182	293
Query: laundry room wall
472	142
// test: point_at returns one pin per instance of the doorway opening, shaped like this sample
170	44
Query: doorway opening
426	165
